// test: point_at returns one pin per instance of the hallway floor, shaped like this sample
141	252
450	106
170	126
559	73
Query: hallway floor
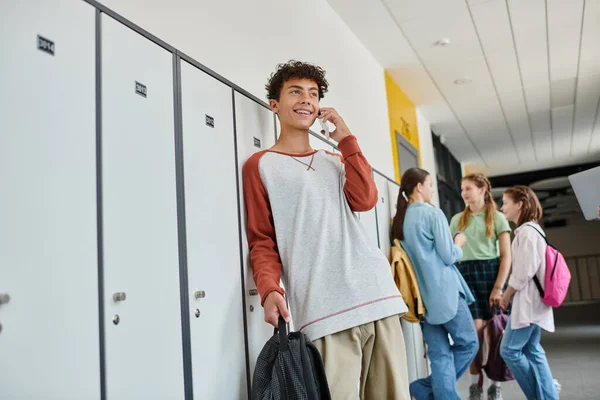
574	355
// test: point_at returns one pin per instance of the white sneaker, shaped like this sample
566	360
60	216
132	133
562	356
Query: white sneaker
558	386
494	392
475	392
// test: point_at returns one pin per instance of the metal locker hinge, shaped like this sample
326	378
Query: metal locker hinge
119	296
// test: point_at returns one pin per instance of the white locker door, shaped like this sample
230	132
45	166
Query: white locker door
141	262
416	355
383	214
213	255
393	191
254	128
49	336
369	222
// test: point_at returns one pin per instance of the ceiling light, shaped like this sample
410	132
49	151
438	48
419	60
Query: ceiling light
442	42
463	81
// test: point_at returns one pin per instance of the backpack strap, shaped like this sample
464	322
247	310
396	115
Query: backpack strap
538	231
535	278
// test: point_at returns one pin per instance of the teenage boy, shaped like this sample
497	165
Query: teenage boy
301	206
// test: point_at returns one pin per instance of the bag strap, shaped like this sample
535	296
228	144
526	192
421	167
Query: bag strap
538	231
535	278
539	286
283	333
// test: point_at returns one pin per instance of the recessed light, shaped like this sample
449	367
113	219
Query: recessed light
442	42
463	81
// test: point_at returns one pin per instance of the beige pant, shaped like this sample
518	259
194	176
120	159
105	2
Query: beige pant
373	355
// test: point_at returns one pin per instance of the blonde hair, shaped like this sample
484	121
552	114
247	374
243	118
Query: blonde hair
481	181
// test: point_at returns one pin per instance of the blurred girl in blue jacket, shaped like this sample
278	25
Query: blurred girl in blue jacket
424	233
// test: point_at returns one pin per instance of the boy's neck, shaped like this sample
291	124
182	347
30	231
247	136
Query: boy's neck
293	141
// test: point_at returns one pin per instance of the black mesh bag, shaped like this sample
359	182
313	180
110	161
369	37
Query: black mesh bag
289	367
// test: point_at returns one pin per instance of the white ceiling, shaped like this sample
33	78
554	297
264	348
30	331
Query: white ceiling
535	69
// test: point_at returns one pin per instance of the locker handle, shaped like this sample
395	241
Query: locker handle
253	292
200	294
119	296
4	298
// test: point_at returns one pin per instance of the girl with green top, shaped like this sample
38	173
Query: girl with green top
485	264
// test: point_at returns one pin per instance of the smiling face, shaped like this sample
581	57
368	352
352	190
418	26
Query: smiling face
298	104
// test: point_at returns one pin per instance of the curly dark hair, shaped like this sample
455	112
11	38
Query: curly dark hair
295	70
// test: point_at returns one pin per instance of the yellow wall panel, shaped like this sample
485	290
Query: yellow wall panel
403	118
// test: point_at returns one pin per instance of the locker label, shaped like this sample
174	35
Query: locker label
45	45
257	143
210	121
141	89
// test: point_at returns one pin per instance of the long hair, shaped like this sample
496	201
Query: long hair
531	209
409	181
481	181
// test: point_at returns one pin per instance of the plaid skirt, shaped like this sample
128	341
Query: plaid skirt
480	276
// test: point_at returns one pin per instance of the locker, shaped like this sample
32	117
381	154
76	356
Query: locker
142	313
416	355
255	131
393	192
48	231
369	222
213	253
383	214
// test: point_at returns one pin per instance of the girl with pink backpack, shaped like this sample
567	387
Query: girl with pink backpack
520	347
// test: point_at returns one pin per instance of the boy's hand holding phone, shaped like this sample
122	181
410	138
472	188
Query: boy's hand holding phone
328	114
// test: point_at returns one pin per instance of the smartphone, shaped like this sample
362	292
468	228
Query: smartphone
324	127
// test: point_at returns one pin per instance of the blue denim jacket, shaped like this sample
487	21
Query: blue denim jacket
428	243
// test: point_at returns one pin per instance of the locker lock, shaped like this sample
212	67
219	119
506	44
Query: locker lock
119	296
200	294
4	298
116	319
251	308
197	313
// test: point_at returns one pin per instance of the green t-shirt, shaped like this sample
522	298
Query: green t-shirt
478	246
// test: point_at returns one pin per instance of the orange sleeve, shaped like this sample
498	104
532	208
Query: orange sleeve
264	255
360	188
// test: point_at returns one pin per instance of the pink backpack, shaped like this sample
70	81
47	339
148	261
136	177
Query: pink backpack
557	279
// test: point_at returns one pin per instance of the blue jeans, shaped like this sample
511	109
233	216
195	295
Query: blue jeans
448	363
525	357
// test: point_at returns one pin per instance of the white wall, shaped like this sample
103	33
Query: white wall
244	40
427	154
578	238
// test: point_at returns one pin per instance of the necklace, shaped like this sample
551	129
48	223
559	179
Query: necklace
309	165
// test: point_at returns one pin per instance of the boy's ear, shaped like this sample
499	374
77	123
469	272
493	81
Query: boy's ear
274	104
